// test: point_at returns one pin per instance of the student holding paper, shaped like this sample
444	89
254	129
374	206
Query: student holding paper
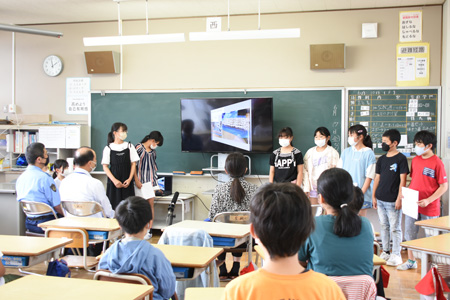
429	178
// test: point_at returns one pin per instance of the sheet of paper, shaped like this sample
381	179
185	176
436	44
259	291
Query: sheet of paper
409	203
403	140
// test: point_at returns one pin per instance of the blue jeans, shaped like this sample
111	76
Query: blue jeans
391	221
411	229
32	223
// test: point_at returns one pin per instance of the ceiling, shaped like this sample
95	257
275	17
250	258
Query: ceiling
26	12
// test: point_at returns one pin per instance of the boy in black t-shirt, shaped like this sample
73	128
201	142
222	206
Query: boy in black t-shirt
391	171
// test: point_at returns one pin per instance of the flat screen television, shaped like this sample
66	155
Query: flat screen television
224	125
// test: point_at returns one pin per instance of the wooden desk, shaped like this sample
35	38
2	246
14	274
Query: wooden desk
27	251
198	258
439	224
434	247
55	288
203	293
239	232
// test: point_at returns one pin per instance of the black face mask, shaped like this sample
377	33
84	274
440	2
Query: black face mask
46	160
385	147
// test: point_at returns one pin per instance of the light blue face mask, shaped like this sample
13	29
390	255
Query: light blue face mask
419	150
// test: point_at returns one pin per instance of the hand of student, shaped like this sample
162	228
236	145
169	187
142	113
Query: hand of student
118	184
126	183
138	184
307	194
398	203
424	202
374	203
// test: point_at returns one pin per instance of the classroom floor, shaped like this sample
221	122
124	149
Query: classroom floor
401	283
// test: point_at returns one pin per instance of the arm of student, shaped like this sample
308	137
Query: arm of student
166	278
366	184
271	173
137	182
111	177
299	175
398	202
59	209
127	182
375	186
437	194
306	185
2	269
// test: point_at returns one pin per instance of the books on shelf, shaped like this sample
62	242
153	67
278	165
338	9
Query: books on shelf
22	139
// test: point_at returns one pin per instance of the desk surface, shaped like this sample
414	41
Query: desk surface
189	256
217	229
438	223
438	244
30	246
203	293
170	197
100	224
53	288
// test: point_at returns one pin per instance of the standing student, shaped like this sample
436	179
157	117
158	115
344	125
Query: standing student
119	163
318	159
391	171
286	162
428	176
145	177
359	161
60	170
281	220
233	195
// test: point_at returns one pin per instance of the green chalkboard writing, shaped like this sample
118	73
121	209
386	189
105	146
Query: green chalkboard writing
303	110
408	110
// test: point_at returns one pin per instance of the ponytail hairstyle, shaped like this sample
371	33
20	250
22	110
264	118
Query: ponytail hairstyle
286	132
361	130
236	166
336	187
325	132
58	164
154	135
115	127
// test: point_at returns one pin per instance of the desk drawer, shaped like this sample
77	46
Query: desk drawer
181	272
223	241
98	235
15	261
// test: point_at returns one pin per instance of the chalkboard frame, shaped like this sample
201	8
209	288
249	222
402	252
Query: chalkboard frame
438	112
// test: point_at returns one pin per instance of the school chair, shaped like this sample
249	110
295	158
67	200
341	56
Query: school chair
358	287
317	209
80	239
82	208
32	209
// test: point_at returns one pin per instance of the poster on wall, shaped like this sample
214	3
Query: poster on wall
410	29
78	95
413	64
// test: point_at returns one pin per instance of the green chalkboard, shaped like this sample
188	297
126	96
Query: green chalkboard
408	110
303	110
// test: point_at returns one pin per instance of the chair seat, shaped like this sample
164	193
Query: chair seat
30	233
74	261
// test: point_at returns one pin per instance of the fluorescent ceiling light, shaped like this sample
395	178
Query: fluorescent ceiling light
245	34
134	39
21	29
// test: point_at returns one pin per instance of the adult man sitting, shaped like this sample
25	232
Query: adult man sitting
36	185
81	186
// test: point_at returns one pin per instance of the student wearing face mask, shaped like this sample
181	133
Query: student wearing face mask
359	161
60	170
286	162
318	159
145	177
119	163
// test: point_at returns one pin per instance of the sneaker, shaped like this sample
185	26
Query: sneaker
148	236
407	265
384	256
395	260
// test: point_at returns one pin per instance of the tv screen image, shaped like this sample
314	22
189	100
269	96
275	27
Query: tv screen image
227	125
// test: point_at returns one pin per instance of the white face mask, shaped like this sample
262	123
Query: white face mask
93	168
123	136
65	172
351	141
153	147
420	150
320	143
284	142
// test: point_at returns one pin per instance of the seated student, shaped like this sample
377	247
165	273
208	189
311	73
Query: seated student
133	254
281	219
81	186
342	243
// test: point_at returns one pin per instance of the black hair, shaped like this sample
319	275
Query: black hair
325	132
83	157
282	218
34	150
393	135
115	127
361	130
336	187
286	131
236	165
358	200
58	164
133	214
154	135
425	137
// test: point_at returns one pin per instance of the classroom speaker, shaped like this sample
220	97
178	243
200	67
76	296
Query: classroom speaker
327	56
102	62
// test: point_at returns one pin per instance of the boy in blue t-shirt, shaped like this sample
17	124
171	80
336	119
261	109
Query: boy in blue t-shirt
390	176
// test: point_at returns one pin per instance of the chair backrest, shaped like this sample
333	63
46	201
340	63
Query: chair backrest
82	208
79	236
237	217
317	209
358	287
32	208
